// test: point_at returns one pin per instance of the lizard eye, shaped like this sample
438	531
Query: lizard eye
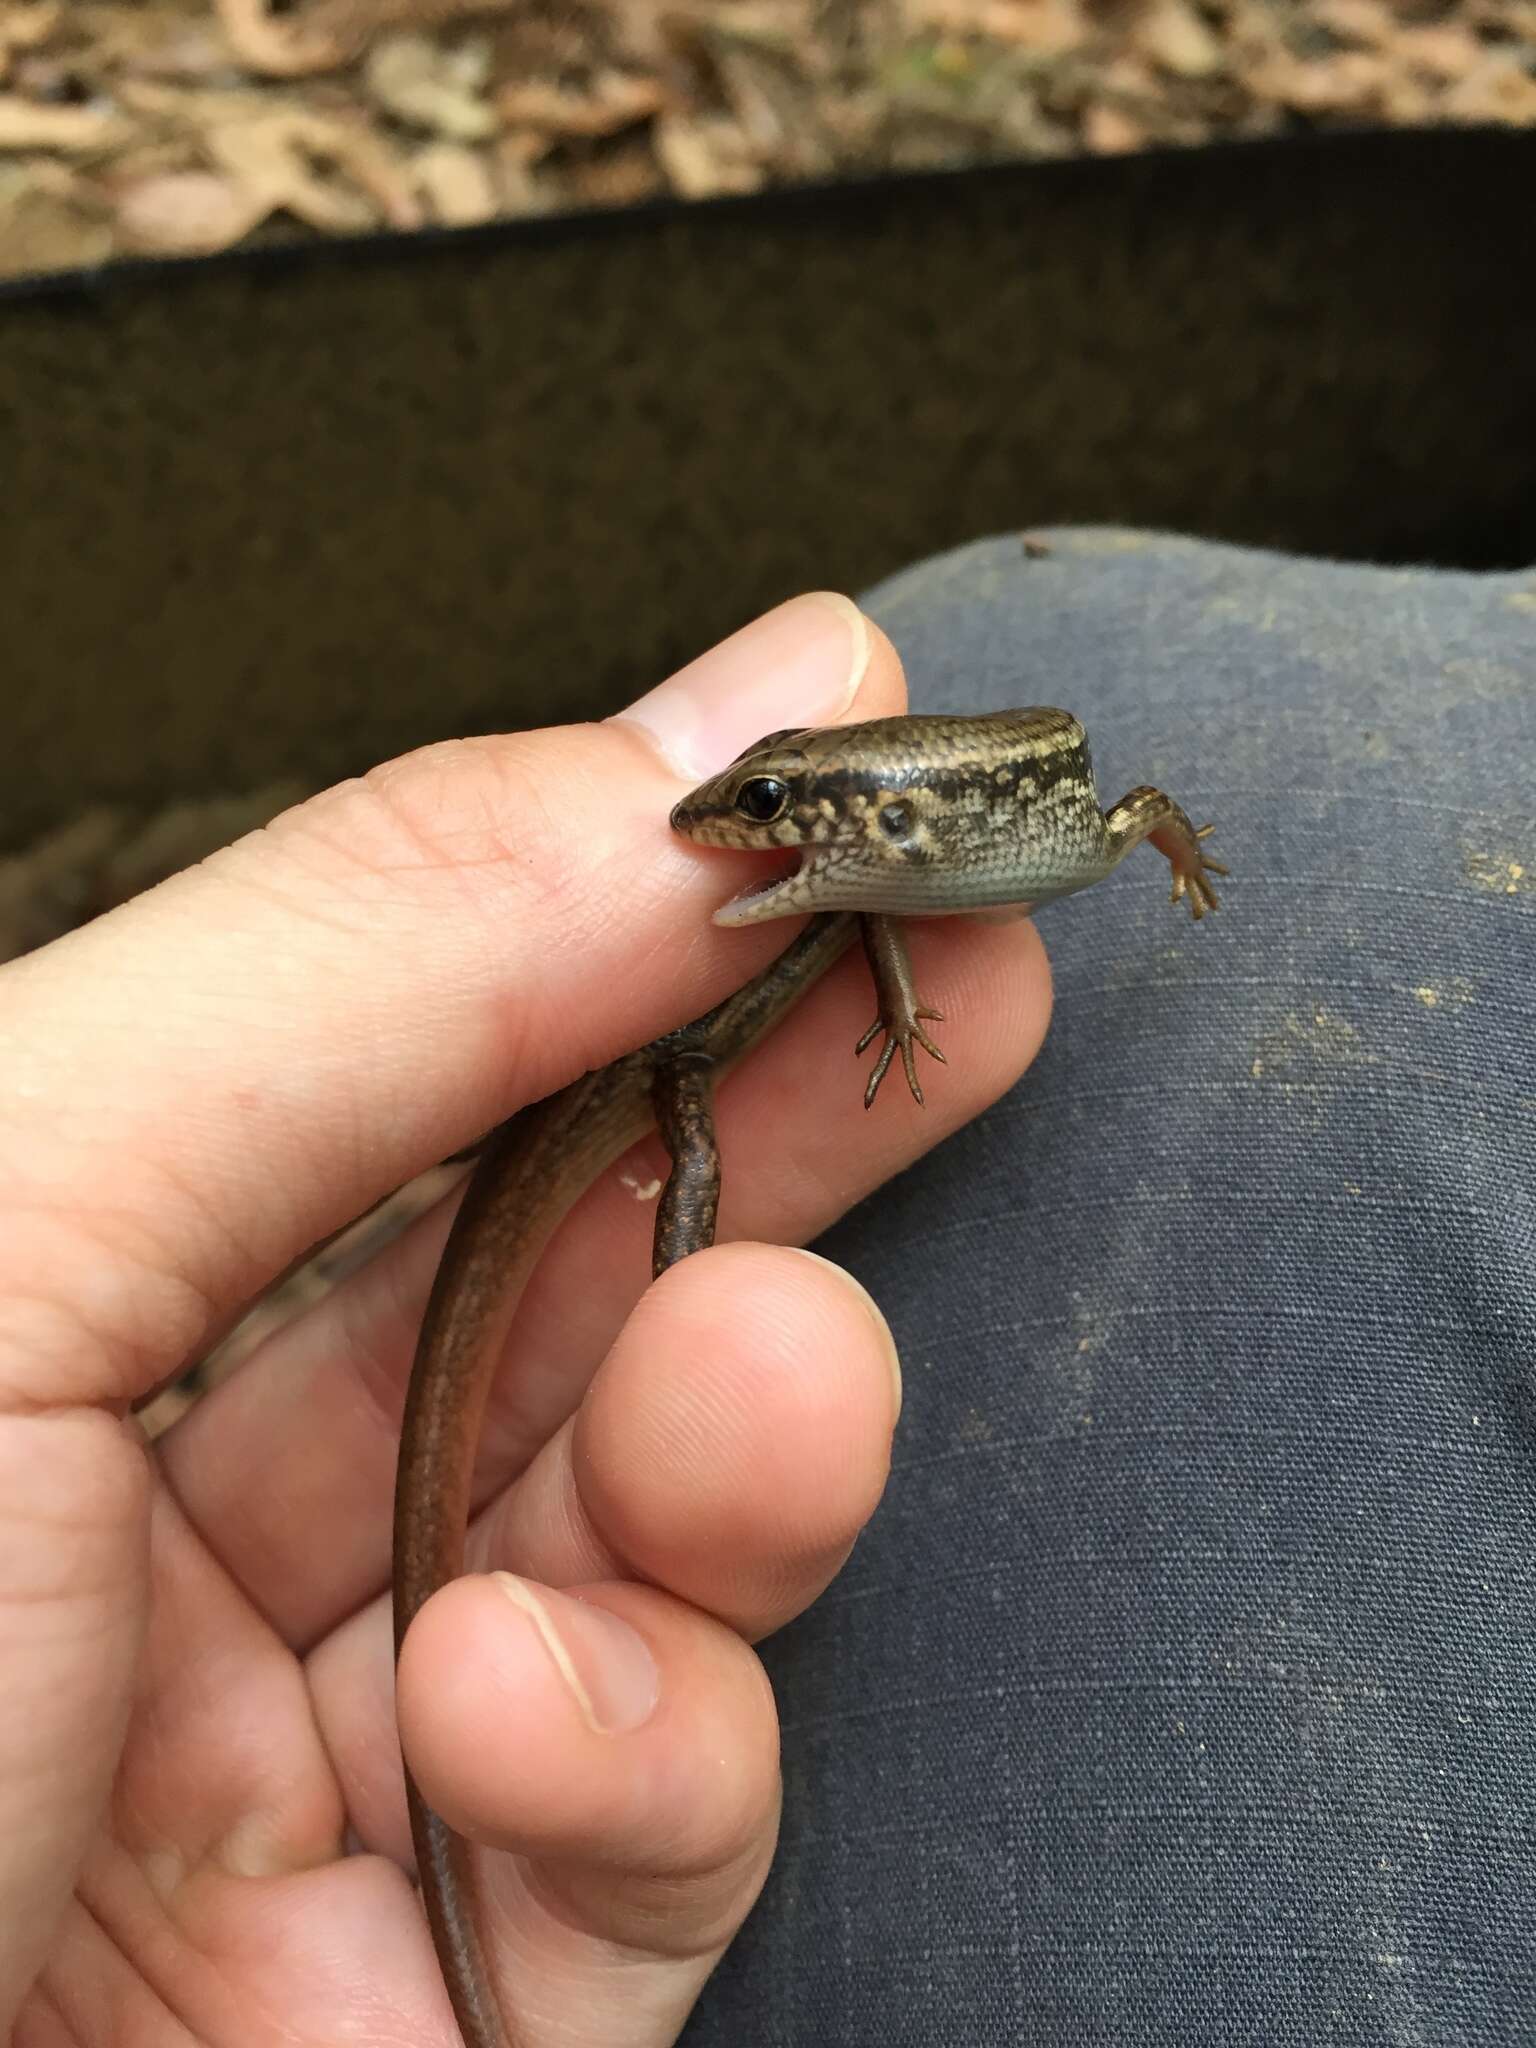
762	799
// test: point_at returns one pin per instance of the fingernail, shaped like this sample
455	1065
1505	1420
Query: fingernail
871	1308
800	664
607	1668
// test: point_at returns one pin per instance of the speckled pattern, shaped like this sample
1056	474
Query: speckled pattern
932	814
1183	1692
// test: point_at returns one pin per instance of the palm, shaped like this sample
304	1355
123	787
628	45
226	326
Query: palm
215	1897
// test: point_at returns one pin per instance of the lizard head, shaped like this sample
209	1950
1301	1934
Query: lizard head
851	801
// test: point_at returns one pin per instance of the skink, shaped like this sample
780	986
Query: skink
916	816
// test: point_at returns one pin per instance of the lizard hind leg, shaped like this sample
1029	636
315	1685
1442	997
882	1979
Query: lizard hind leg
1148	814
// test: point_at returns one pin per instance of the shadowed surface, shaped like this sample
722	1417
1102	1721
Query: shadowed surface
285	517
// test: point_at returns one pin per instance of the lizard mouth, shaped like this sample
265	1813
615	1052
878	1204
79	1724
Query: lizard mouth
781	894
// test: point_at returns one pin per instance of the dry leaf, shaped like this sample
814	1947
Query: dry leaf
702	157
188	213
188	51
1350	82
1356	21
456	184
1130	78
173	104
623	175
1173	36
765	21
279	48
851	119
1445	51
513	156
430	88
1513	18
110	37
776	110
1500	89
23	29
522	147
275	179
29	27
1046	28
687	157
78	131
615	100
1109	131
288	159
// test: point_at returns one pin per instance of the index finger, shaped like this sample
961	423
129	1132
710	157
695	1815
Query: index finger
207	1081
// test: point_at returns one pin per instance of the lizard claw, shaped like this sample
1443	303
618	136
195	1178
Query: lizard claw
1192	874
903	1030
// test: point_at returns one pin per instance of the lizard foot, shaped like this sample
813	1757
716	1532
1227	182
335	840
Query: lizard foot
901	1023
1192	872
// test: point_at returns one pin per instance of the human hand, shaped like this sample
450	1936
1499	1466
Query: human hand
202	1820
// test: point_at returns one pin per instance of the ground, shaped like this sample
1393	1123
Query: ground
186	126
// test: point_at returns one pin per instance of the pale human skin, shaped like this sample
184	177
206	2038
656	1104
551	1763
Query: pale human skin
202	1823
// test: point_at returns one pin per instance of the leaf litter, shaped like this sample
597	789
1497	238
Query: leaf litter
181	127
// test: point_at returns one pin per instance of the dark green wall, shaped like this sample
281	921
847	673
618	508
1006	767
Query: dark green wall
286	513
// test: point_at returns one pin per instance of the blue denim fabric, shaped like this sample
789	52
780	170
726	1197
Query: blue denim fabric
1184	1688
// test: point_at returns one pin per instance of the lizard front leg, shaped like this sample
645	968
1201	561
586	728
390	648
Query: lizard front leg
900	1010
1148	814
